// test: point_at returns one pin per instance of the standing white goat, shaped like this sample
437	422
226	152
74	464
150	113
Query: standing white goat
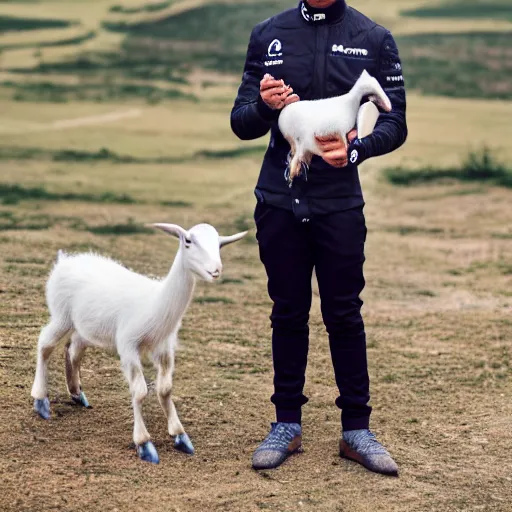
100	303
302	121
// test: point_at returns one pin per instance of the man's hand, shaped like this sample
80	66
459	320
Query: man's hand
275	93
334	151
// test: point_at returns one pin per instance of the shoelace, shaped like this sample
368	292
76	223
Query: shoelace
366	442
278	438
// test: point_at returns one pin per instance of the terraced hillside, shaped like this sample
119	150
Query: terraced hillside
115	113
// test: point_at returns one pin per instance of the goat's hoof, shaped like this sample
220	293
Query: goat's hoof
42	407
81	399
147	452
183	443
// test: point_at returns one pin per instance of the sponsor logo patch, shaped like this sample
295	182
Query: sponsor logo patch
305	14
273	62
339	49
274	50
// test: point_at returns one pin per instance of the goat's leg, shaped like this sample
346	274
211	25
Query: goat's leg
48	340
165	366
291	153
132	369
295	166
75	350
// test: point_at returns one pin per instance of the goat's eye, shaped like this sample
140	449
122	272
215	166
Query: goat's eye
187	243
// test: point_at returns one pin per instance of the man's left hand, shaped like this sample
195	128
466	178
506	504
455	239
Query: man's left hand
334	151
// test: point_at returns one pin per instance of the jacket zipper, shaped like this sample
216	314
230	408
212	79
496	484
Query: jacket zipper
319	65
315	59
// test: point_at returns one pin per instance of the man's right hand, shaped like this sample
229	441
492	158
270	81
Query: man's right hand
275	93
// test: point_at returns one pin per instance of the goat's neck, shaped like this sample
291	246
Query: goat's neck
174	296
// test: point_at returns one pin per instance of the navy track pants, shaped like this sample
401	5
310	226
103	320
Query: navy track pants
333	245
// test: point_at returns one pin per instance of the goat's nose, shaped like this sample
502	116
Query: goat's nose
216	272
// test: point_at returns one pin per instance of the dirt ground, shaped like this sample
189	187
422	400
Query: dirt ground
437	309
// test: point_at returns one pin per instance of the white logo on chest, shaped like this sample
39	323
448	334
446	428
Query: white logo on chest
353	156
274	48
339	48
274	51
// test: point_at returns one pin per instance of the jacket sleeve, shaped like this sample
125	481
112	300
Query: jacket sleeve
390	132
251	118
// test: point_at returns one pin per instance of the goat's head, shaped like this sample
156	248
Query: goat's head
201	248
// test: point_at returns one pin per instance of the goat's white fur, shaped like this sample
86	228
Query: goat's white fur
302	121
98	302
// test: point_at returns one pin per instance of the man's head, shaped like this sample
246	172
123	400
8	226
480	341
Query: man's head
320	4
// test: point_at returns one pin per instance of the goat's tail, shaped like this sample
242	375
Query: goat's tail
60	255
371	87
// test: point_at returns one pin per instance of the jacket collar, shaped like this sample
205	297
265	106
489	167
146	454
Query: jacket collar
330	15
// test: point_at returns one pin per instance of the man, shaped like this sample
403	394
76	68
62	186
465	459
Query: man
317	50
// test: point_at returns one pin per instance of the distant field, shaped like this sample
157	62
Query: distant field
13	24
499	10
214	37
470	65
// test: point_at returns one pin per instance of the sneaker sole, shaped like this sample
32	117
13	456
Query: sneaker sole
348	453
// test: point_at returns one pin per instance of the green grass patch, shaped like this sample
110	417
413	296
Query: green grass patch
426	293
213	300
413	230
391	377
152	7
139	62
230	280
231	153
26	261
49	44
466	65
502	236
99	92
126	228
107	155
9	221
488	9
15	193
14	24
479	167
176	204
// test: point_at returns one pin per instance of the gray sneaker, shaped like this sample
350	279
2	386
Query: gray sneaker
361	446
282	440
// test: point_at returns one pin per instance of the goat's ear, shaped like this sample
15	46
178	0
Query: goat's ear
172	229
225	240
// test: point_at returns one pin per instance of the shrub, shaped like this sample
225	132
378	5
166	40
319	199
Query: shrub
478	166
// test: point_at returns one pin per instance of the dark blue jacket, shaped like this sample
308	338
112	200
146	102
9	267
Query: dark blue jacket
320	53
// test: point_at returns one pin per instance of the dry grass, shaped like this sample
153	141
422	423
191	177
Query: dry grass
437	307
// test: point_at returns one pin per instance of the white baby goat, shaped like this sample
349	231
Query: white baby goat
302	121
100	303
